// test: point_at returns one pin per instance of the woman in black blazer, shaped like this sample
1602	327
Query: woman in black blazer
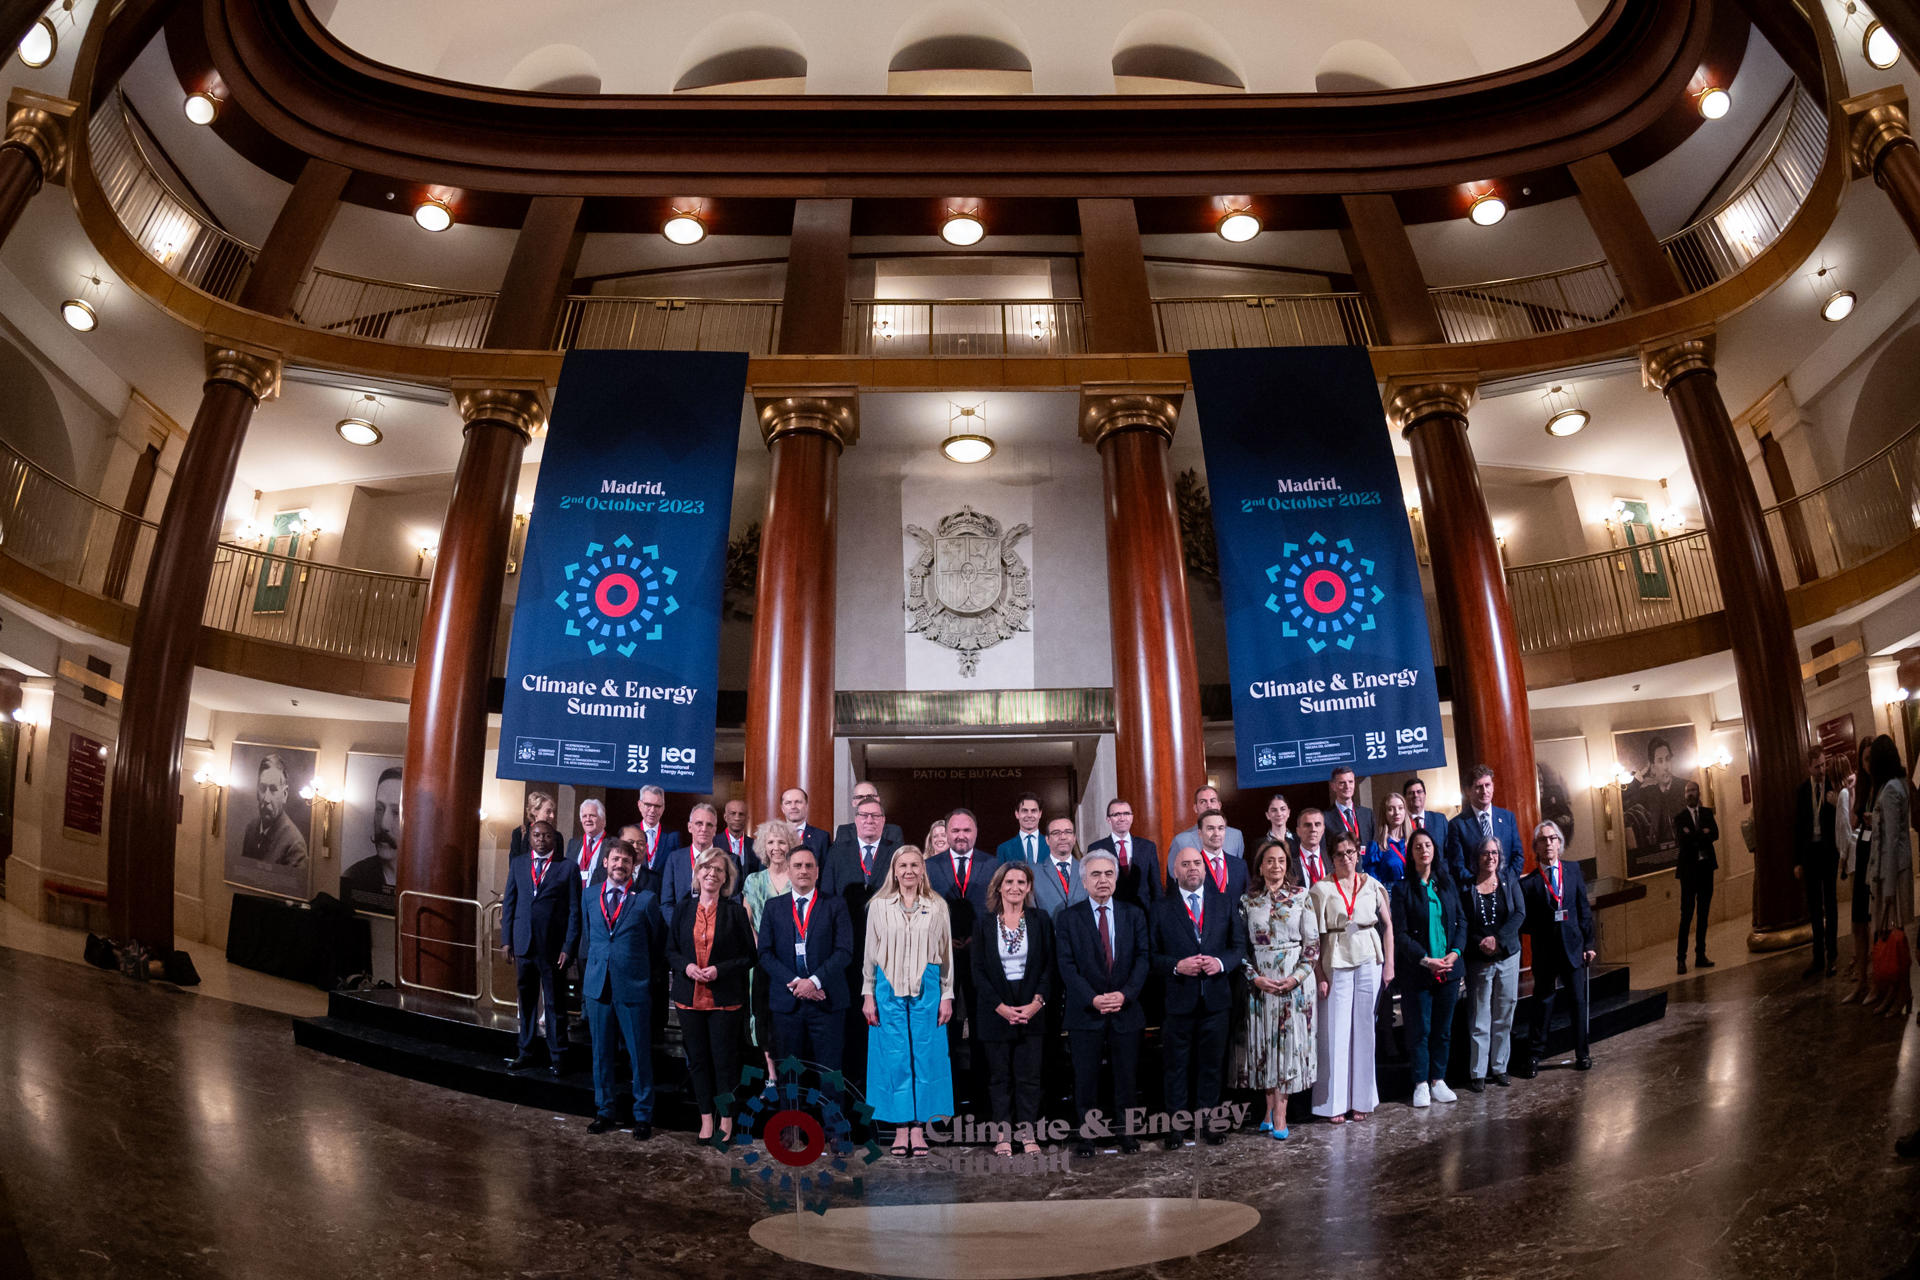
710	951
1429	934
1014	968
1496	911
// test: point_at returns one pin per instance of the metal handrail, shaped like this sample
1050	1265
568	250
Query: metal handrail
480	964
490	929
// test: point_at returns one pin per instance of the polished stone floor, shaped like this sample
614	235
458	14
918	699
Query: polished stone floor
147	1133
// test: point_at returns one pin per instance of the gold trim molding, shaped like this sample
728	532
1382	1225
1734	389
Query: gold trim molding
521	406
40	125
1409	400
256	370
1109	408
1661	363
832	411
1875	121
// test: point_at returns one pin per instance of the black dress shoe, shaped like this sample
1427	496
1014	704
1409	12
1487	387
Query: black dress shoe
1476	1085
521	1063
602	1125
1527	1070
1701	962
1083	1151
1499	1078
1129	1146
1170	1143
1813	970
554	1070
1215	1139
1680	966
642	1131
1583	1064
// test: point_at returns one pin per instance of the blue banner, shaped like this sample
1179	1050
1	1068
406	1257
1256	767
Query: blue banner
1326	629
616	632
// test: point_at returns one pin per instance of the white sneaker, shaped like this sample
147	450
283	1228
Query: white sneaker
1443	1094
1420	1096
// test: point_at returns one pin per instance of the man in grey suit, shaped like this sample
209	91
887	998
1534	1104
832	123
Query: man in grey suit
1206	799
1056	881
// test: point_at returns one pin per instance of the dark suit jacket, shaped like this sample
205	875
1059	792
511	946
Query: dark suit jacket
675	871
1142	879
749	861
1436	826
1559	945
1695	842
963	910
841	877
818	841
1806	852
1463	835
889	832
733	953
829	950
619	965
1237	874
1083	965
547	923
990	977
1507	936
1362	818
1407	905
599	866
1014	848
1223	936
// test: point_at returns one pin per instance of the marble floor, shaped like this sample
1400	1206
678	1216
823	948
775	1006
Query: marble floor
149	1133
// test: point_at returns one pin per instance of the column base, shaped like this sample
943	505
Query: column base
1763	940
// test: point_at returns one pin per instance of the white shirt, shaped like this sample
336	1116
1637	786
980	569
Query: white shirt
1031	840
1014	965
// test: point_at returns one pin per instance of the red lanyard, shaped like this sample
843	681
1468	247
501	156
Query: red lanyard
966	874
1218	865
1351	823
538	866
800	921
588	852
1553	884
614	918
1350	902
1195	918
733	842
1066	885
653	843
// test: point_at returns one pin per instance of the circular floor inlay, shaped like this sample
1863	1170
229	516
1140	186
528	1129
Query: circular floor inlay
1004	1241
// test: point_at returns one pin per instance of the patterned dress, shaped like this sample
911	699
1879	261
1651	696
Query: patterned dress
1275	1048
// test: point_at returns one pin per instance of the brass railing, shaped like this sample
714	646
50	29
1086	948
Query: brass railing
80	541
1839	526
751	325
966	327
1263	320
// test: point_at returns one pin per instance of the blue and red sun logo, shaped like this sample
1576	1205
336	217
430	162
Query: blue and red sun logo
617	597
1323	592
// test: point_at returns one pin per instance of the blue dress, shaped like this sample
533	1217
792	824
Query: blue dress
1386	861
909	1072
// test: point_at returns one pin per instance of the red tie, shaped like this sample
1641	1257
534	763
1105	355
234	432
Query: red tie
1122	842
1106	939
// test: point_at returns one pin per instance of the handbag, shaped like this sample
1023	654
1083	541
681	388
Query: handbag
1890	957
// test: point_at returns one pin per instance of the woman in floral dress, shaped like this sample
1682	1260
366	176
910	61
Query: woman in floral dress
1276	1049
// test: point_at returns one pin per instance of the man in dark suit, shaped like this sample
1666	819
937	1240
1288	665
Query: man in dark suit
625	936
1481	820
806	956
676	880
793	807
867	791
1103	970
1694	833
1199	940
1224	872
651	846
1816	862
1027	844
1348	814
1414	792
585	850
1560	923
1141	881
540	928
1314	858
734	835
962	876
854	870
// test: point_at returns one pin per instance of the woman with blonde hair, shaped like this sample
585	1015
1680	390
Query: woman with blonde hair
539	807
908	987
772	842
710	951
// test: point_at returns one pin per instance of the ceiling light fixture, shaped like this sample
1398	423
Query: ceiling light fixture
1836	301
202	107
361	425
433	215
1879	47
1713	102
1565	414
684	228
963	228
81	311
1487	208
966	439
37	47
1239	226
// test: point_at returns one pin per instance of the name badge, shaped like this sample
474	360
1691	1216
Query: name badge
1560	914
1354	926
800	949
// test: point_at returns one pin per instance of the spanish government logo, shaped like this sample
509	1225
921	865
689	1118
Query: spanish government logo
805	1154
616	597
1324	595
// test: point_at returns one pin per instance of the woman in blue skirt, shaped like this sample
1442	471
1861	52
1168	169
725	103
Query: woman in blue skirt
909	997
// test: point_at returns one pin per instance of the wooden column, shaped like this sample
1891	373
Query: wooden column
166	635
813	311
1766	659
1113	278
447	719
1491	722
790	699
34	152
1159	754
1883	148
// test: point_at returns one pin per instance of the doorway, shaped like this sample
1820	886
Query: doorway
922	780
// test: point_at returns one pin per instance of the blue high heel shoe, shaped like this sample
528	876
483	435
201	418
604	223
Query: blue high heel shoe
1279	1135
1266	1126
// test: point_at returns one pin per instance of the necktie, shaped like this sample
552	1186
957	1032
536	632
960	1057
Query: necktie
962	877
1193	909
1486	825
1106	938
539	869
1031	855
866	859
1346	816
804	910
1122	843
1219	873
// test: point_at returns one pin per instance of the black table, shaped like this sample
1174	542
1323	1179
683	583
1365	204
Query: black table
294	940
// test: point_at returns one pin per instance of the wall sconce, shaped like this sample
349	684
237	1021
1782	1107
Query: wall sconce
1719	761
323	800
22	716
517	541
429	550
1672	523
209	780
1418	524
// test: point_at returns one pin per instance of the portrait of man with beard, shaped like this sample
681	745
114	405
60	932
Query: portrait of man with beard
367	885
271	837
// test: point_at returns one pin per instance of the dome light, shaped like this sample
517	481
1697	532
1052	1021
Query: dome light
1487	208
1566	416
963	228
1879	47
38	45
202	108
1238	227
79	315
966	440
433	215
1714	102
361	425
1838	306
684	228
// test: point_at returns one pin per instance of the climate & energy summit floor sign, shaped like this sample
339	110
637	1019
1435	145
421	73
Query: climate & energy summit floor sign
616	630
1327	638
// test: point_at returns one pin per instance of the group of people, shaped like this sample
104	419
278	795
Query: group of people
1265	970
1853	820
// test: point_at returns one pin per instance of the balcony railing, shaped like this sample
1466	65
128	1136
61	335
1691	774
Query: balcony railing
1839	526
967	327
1273	320
79	541
751	325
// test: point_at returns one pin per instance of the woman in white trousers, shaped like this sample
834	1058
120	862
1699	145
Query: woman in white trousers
1356	964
